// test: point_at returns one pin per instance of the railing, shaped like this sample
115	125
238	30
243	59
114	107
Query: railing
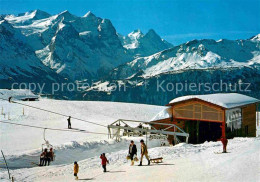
166	131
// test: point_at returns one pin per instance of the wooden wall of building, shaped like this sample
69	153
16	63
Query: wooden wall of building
249	120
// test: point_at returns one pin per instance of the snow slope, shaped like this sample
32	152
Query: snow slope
26	140
183	162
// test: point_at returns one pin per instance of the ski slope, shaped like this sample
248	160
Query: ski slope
24	140
183	162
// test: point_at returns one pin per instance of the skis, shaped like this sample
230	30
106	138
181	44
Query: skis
34	163
221	152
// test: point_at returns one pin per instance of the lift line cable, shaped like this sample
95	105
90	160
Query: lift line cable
53	112
54	129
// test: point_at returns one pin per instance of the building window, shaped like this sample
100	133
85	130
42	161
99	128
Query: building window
246	130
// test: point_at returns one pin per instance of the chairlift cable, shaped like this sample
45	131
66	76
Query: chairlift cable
27	105
54	129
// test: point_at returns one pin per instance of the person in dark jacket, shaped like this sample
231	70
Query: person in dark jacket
49	156
104	162
10	99
43	157
69	122
132	151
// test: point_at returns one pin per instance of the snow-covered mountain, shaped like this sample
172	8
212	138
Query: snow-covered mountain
153	79
27	18
47	48
17	58
144	44
19	63
256	37
196	54
77	47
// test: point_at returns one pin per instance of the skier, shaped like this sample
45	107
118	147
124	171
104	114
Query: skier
69	122
10	99
144	152
224	143
42	157
104	162
76	170
132	151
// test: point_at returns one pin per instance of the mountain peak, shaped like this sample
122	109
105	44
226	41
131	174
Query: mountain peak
67	15
64	12
39	14
256	37
136	34
89	14
137	30
152	33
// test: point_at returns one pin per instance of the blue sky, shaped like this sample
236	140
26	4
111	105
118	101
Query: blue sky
177	21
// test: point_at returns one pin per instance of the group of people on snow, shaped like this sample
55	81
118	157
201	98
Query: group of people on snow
46	157
132	152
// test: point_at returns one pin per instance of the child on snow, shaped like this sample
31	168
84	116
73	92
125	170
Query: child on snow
76	170
104	161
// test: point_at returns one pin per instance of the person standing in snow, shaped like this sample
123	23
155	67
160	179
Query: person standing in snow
76	170
224	143
144	152
132	151
104	162
69	122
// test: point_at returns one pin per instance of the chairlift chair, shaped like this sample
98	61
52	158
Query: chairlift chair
47	144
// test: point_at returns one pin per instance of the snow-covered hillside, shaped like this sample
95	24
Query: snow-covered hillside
98	112
22	146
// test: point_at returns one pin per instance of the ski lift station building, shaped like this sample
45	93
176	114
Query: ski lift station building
210	117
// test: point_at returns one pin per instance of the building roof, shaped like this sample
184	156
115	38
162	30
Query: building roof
226	100
163	114
18	94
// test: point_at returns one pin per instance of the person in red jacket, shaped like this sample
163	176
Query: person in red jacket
224	143
104	162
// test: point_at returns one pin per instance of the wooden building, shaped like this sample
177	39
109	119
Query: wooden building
210	117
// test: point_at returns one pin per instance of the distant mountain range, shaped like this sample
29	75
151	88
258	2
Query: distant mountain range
232	62
196	54
39	47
